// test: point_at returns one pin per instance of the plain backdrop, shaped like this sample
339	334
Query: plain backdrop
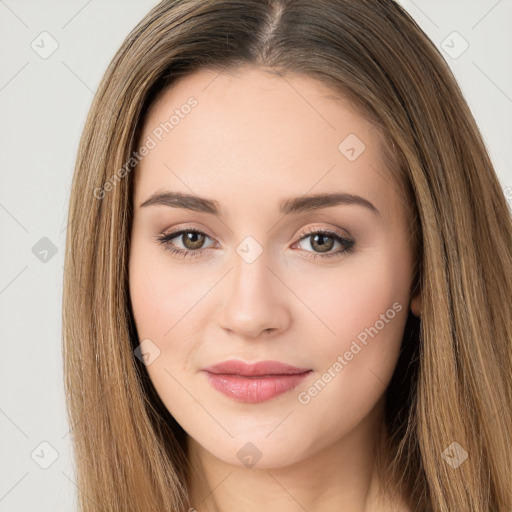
53	54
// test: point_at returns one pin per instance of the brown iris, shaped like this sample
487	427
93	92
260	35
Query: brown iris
324	247
193	240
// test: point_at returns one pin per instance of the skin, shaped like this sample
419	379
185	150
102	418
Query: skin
253	140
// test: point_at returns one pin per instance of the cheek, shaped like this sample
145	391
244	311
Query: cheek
352	297
363	308
163	300
169	302
161	293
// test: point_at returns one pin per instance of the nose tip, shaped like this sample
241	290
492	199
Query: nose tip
254	302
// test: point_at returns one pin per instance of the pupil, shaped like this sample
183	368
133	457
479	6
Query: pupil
322	245
193	240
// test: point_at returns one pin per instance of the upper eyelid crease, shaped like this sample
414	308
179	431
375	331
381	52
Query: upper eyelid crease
289	206
164	239
305	234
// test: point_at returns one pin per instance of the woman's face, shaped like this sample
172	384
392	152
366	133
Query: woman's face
268	272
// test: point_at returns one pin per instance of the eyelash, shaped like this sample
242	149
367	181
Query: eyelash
164	239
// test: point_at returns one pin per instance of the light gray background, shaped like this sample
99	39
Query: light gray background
43	104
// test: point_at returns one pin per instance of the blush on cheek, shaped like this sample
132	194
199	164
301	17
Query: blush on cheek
370	329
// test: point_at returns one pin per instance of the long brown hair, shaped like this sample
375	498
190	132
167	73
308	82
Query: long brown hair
453	380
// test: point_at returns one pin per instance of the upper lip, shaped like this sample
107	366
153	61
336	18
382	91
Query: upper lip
234	367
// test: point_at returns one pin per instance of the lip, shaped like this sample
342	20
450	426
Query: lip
254	382
235	367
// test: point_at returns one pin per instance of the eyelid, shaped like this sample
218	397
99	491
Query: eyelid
347	242
320	229
180	229
340	238
302	234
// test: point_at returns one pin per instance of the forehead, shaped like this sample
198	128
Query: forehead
263	136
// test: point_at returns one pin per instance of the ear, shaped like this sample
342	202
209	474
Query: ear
416	305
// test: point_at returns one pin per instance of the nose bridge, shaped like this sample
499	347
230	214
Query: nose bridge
251	285
253	302
251	257
250	272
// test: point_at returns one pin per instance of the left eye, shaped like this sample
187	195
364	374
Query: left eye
324	241
194	240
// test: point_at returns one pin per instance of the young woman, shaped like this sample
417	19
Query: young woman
288	270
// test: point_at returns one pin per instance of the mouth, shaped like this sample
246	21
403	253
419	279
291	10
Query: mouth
254	383
261	368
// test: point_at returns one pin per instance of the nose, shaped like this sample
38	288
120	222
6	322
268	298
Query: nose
255	300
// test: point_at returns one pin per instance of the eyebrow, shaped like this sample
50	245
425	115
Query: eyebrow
289	206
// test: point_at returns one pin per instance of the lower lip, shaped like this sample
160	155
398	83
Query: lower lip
254	389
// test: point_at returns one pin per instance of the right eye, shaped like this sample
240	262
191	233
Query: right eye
192	241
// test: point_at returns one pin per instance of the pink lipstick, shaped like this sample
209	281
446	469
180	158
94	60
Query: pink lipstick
256	382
